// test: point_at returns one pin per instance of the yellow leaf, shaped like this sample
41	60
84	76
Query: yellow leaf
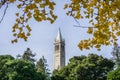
20	29
14	34
91	21
47	1
50	20
78	16
29	15
21	17
11	1
67	13
86	46
21	35
17	14
37	1
13	30
16	40
18	20
115	44
99	49
65	6
28	28
55	17
33	6
51	6
28	34
98	46
26	9
118	33
19	5
42	5
80	46
37	17
43	17
25	38
90	30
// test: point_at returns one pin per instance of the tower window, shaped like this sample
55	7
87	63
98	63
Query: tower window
57	47
62	47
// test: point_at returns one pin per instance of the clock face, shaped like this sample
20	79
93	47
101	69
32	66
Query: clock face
56	47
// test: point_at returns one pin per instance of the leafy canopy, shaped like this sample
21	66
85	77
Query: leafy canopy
103	15
92	67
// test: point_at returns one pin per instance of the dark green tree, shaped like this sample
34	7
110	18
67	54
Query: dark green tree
116	55
28	55
92	67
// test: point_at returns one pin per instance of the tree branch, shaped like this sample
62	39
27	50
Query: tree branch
4	13
2	2
80	25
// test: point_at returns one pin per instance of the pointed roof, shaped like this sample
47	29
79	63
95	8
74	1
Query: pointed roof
59	36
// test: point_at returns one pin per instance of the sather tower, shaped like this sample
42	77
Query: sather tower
59	52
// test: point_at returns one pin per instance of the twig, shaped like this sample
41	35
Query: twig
83	26
76	21
4	13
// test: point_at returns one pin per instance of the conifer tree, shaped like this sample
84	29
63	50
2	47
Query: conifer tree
41	66
28	55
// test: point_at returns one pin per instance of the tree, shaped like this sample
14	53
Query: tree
28	55
92	67
41	66
114	75
103	15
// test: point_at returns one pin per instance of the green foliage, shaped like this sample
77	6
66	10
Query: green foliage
114	75
19	69
92	67
3	60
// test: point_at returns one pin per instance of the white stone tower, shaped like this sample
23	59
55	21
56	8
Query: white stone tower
59	52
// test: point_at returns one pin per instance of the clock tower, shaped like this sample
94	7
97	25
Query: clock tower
59	52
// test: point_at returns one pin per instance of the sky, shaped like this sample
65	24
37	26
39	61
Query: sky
43	35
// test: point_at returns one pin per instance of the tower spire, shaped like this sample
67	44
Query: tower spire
59	53
59	36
